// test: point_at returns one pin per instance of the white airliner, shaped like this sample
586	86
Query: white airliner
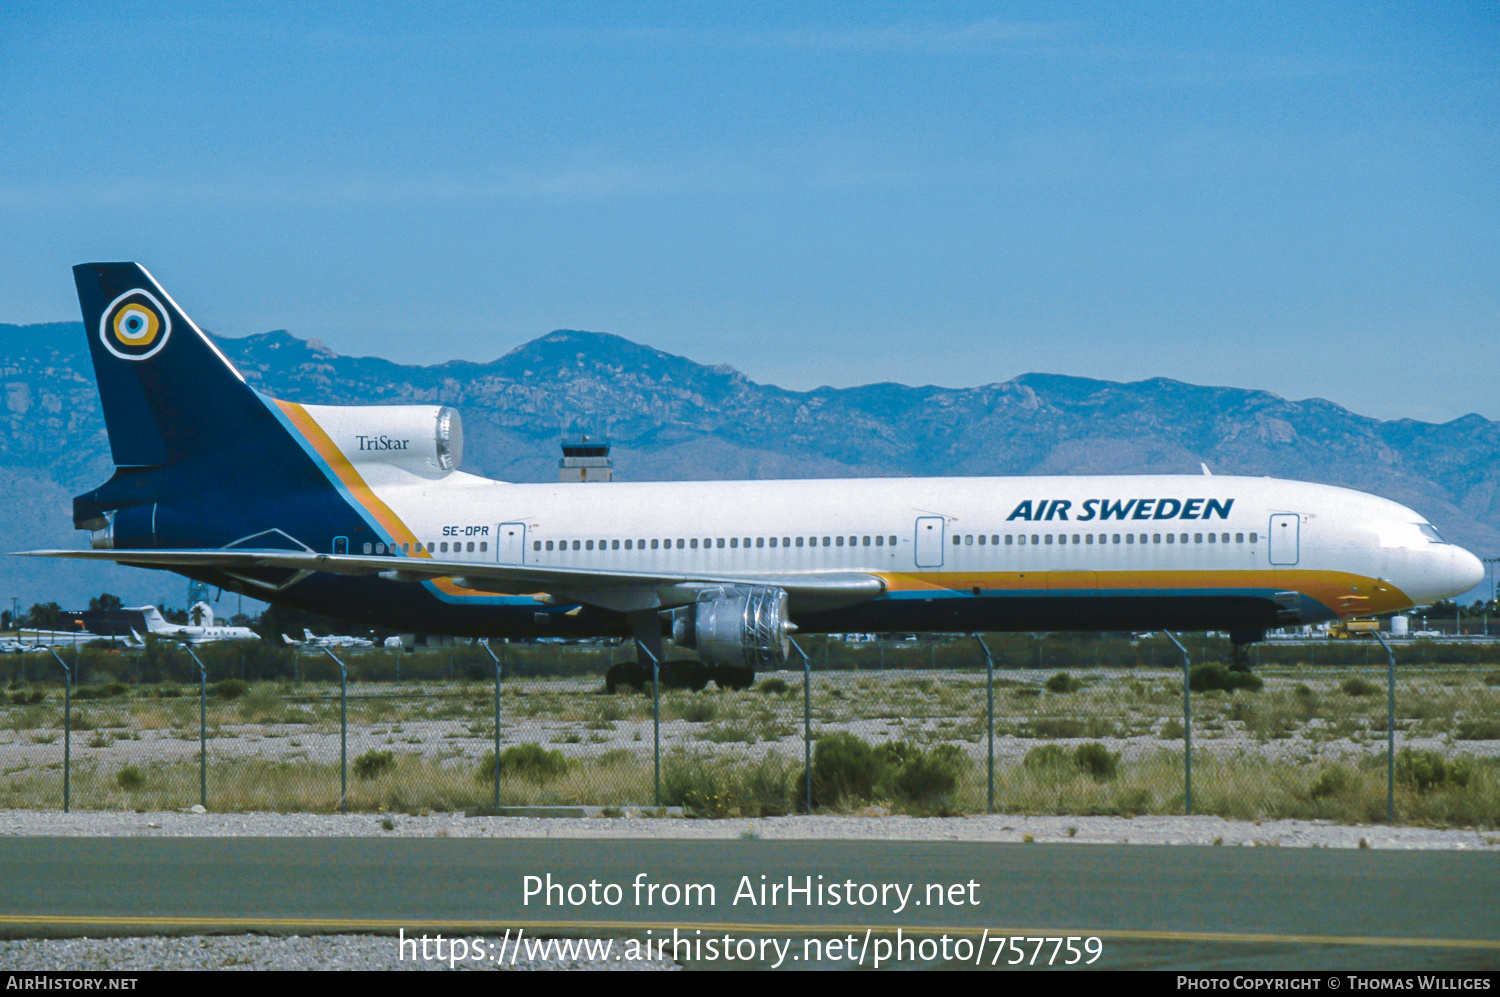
205	632
361	513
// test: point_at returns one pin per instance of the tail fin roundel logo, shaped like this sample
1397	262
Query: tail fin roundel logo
135	325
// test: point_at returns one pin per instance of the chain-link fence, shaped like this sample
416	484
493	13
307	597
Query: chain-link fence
961	724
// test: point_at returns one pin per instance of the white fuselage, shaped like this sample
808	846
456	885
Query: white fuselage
1201	530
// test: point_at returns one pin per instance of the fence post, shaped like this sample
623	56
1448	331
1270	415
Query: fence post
202	726
1390	730
344	732
1187	725
989	715
67	729
655	719
484	643
806	727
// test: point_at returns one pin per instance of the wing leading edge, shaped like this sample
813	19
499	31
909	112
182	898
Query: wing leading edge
624	591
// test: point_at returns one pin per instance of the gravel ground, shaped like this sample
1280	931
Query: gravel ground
872	824
257	952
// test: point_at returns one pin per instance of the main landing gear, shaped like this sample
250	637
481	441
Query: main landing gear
680	674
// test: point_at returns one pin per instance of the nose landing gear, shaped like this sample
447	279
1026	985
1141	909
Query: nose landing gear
1240	641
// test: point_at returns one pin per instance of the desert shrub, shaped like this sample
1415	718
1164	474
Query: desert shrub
773	686
705	786
1359	687
1096	761
228	689
374	763
844	768
260	703
698	710
697	785
1330	782
130	778
1055	761
924	778
1171	730
83	692
526	761
1058	727
1478	730
1063	682
1492	679
1214	676
1048	757
28	697
1428	770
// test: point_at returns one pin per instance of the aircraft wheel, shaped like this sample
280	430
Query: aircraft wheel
625	673
684	674
736	677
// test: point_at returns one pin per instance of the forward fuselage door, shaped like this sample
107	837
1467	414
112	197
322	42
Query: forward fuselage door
510	543
929	546
1285	546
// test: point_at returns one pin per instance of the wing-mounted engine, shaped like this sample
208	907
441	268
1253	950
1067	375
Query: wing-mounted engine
427	440
736	625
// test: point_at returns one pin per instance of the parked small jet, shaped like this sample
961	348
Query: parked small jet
310	639
206	632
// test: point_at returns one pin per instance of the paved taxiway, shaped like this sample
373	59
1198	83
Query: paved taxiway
1152	905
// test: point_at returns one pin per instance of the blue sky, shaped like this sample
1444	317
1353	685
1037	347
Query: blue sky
1296	197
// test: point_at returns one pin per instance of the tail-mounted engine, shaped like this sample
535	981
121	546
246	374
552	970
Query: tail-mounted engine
424	439
736	625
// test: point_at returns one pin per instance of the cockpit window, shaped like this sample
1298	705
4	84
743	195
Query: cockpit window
1430	532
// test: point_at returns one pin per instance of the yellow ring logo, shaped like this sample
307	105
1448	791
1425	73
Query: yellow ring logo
134	326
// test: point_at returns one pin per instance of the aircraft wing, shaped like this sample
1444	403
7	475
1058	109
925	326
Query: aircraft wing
623	591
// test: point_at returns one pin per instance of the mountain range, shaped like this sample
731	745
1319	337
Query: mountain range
673	419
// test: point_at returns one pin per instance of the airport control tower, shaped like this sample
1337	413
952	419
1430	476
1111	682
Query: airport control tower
585	458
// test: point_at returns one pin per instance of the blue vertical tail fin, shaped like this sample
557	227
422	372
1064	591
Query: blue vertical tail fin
167	392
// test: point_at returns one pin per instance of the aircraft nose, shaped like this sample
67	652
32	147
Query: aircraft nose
1468	571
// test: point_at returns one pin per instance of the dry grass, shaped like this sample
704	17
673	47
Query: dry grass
1303	746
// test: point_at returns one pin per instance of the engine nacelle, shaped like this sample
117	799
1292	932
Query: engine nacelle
738	625
423	439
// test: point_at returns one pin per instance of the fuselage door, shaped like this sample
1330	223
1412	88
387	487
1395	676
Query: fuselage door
510	543
1284	547
929	547
341	545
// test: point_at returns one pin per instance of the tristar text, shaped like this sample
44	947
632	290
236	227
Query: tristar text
1048	510
381	443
